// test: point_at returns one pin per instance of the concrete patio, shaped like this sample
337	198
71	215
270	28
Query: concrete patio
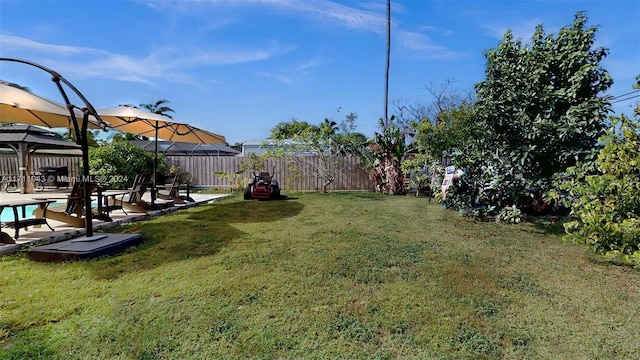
43	235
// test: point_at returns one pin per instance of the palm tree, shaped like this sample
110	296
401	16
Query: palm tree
388	146
159	108
328	127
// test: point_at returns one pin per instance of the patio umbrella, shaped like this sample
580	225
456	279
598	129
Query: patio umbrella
132	120
22	107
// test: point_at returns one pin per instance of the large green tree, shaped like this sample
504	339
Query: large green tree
538	112
291	129
449	133
93	136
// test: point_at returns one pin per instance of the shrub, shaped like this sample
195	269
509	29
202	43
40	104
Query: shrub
606	202
122	161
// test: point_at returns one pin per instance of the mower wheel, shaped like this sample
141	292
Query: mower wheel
247	193
275	193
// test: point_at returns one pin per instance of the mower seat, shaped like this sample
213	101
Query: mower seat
264	176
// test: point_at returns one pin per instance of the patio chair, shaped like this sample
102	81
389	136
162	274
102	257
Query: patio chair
132	199
171	190
73	213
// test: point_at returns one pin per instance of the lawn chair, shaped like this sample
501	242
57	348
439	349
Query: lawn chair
73	213
171	190
132	199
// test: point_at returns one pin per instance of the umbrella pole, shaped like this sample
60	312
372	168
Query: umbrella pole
155	167
84	143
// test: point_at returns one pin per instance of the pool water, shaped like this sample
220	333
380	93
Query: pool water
7	213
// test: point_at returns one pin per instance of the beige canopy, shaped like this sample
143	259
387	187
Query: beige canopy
135	121
22	107
132	120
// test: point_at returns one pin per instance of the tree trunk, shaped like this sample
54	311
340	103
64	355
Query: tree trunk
388	177
386	75
326	184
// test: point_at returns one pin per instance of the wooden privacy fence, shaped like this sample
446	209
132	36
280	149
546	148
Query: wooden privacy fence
297	175
9	163
291	175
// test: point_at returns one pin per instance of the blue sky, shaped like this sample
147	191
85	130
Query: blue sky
239	67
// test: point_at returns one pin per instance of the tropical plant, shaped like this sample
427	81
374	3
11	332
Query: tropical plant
537	113
159	107
510	214
387	149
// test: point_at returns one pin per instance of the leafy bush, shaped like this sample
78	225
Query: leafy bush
510	214
607	202
422	170
122	161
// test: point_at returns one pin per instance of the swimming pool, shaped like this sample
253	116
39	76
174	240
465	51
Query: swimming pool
7	213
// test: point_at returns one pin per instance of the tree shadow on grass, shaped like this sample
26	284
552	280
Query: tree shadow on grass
187	234
551	225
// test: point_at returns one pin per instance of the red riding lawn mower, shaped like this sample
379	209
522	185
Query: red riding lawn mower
262	187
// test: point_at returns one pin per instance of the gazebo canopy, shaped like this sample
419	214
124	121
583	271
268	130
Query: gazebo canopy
24	140
33	136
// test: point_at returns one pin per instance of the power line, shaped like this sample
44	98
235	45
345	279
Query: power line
629	93
629	98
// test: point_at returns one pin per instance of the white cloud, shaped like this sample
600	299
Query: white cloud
372	20
322	10
280	78
522	30
424	46
9	42
308	65
437	30
167	63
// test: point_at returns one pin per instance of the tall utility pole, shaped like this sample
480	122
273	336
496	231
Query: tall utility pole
386	77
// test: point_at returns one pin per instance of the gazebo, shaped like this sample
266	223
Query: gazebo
24	140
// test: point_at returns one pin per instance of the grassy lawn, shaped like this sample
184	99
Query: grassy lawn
346	275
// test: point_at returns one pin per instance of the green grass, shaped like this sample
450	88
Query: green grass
345	275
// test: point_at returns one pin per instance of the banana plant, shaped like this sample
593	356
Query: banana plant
388	148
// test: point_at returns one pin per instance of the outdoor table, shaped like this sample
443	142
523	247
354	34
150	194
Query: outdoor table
18	223
107	201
